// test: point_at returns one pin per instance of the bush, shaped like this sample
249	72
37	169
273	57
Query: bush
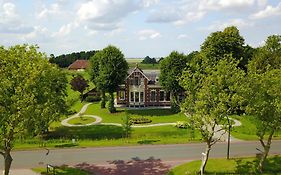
174	107
92	99
110	105
71	112
181	124
140	120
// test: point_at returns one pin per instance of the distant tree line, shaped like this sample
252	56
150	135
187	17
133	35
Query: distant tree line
65	60
148	60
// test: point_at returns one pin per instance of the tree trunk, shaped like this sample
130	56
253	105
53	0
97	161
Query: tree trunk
266	148
7	161
205	157
102	99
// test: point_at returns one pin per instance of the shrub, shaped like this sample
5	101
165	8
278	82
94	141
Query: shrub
92	99
110	105
181	124
140	120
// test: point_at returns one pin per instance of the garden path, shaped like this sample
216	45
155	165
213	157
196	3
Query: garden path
99	119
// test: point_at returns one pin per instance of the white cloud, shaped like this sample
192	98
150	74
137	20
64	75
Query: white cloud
224	4
105	14
267	12
190	16
10	21
54	9
148	3
148	34
240	23
66	29
182	36
39	33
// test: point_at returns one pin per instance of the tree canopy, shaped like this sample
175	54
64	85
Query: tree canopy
32	93
109	69
171	69
262	92
211	96
148	60
228	41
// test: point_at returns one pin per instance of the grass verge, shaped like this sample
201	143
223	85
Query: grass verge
248	130
99	135
232	166
61	170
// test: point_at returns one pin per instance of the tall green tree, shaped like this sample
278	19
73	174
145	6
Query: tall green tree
94	71
228	41
111	72
267	57
262	92
211	97
171	69
32	95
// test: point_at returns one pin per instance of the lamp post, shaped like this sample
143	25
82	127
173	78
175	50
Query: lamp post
228	138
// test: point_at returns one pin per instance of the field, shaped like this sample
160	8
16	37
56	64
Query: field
133	62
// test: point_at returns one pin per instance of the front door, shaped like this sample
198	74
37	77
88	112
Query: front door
136	98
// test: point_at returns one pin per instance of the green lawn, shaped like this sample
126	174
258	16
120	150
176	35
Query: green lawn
232	166
83	120
248	130
62	170
156	115
101	135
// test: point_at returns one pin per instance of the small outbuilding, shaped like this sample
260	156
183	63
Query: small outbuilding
79	65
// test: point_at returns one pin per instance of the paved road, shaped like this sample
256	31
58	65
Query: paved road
170	154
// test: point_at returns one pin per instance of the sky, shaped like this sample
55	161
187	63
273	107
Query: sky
138	28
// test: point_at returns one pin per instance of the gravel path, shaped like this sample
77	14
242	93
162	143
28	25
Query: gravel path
219	132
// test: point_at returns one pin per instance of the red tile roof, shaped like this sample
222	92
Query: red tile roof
79	64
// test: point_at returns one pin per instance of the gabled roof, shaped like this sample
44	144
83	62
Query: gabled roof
137	69
79	64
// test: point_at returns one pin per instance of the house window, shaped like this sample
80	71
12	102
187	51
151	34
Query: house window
132	96
137	81
162	96
141	96
153	96
122	95
131	81
168	96
137	96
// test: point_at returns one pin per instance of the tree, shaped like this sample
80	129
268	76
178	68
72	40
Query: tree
111	72
211	97
262	92
171	69
148	60
79	84
268	57
127	125
228	41
94	71
32	93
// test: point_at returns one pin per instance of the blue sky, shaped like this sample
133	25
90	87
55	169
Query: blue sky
137	27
